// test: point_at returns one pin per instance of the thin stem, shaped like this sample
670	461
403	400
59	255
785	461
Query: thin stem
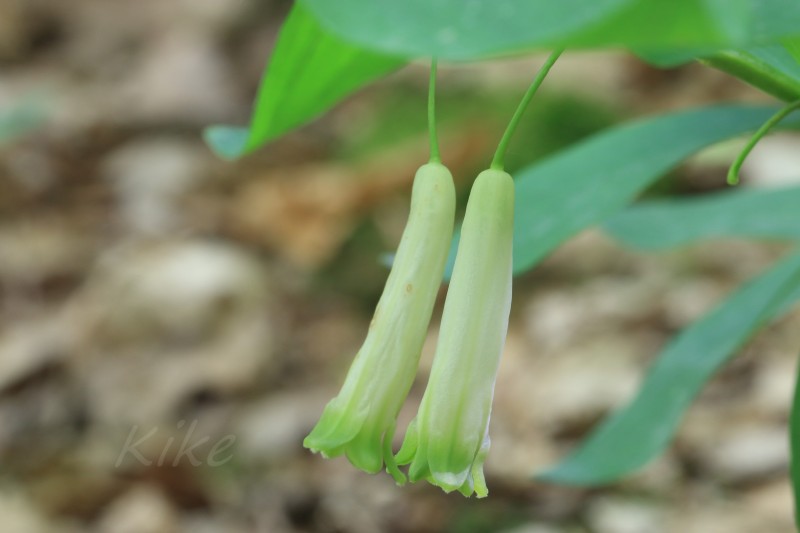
434	157
499	155
733	172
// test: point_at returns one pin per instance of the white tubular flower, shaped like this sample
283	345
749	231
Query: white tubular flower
360	421
448	440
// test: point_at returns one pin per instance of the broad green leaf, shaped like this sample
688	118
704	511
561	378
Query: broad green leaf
794	448
660	25
772	214
642	429
460	29
774	19
770	68
474	29
590	181
309	71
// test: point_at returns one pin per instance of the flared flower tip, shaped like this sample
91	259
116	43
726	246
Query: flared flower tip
467	477
367	446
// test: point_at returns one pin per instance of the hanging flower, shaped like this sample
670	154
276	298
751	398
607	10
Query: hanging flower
360	421
448	440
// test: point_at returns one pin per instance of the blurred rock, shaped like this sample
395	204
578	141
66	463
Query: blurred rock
775	382
27	348
577	386
274	429
173	319
620	515
774	163
19	515
774	501
151	176
723	516
557	317
181	78
35	251
174	291
143	509
363	507
748	453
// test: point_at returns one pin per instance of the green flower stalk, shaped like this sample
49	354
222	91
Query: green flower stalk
448	440
360	421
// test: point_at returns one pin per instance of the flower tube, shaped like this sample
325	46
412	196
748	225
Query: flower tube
360	421
448	440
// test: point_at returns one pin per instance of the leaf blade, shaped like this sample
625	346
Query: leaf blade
587	183
310	70
636	433
763	214
453	29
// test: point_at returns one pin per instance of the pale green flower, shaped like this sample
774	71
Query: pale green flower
448	440
360	421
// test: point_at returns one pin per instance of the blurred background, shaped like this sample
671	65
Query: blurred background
171	324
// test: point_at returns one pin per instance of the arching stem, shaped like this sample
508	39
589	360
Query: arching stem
499	155
434	156
733	172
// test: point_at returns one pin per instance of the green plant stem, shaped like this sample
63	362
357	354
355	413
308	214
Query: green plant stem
733	172
435	157
499	155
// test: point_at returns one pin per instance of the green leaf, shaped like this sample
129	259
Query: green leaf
459	29
590	181
775	19
794	448
474	29
770	68
660	25
764	214
310	70
642	429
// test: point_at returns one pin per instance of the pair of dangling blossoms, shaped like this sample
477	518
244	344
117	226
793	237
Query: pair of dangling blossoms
448	440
